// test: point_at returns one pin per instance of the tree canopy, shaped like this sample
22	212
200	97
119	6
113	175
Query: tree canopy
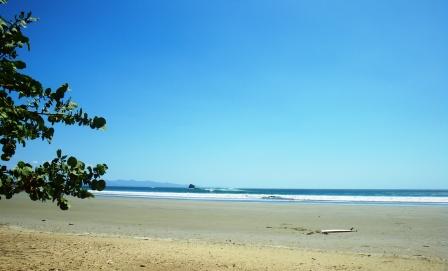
28	111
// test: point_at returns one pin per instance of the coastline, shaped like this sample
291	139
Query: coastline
411	235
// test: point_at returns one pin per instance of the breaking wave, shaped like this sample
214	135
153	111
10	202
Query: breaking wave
274	197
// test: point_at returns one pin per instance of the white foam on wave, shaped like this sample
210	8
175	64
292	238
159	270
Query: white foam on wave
271	197
222	189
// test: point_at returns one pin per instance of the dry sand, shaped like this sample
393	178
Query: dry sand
127	234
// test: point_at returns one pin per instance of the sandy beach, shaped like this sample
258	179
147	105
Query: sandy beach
142	234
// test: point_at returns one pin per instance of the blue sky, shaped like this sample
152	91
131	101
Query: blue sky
300	94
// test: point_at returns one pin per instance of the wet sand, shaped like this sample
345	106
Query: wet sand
202	235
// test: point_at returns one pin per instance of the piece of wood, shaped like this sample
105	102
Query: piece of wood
337	231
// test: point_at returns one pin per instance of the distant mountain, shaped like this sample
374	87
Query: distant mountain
134	183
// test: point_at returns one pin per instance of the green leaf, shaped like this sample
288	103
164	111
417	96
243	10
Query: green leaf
72	161
101	185
63	204
59	153
19	64
94	184
99	122
101	169
60	92
5	157
85	194
81	165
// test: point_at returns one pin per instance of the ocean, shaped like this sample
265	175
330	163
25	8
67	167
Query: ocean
334	196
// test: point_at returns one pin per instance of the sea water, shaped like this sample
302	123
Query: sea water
341	196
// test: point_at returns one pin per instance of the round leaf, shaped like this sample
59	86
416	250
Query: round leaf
101	185
63	206
99	122
72	161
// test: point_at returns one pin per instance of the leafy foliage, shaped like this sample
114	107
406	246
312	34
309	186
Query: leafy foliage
28	111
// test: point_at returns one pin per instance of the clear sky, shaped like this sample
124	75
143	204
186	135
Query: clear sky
299	94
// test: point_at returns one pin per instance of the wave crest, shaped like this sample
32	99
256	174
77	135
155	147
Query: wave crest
267	197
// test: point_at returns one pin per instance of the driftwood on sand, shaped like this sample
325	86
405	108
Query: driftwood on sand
337	231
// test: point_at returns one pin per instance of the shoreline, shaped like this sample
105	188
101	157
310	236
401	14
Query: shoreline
399	232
